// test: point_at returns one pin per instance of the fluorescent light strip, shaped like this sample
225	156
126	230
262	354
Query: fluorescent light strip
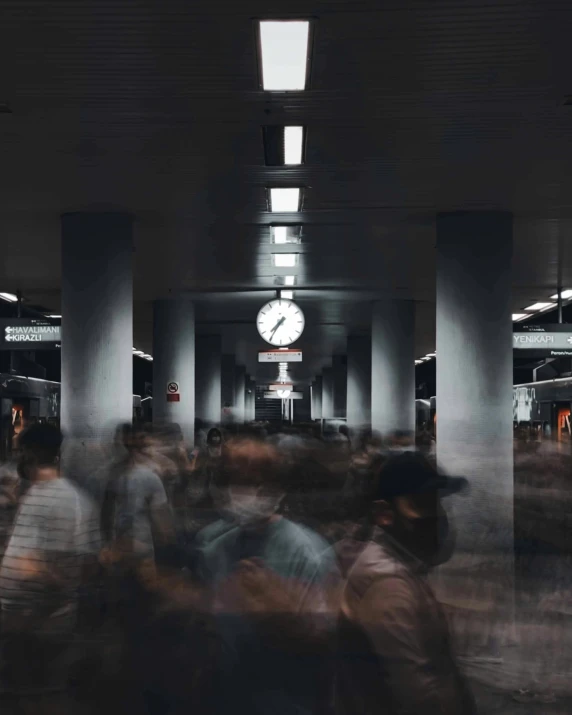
516	317
287	295
284	50
539	306
293	143
139	353
53	316
289	280
285	260
9	297
284	200
564	295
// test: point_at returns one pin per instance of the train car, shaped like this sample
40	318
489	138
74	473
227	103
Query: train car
25	400
540	409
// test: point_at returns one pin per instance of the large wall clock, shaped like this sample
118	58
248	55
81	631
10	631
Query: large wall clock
280	322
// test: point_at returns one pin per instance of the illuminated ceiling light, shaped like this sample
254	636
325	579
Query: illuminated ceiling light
146	357
287	295
284	50
139	353
548	306
284	200
289	280
285	260
279	234
54	316
293	145
564	295
10	297
431	355
519	316
539	306
286	234
418	362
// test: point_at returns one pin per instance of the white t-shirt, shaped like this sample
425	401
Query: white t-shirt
55	530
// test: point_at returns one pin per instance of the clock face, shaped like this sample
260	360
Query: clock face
280	322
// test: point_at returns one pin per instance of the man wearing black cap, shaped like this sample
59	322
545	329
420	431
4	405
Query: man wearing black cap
395	654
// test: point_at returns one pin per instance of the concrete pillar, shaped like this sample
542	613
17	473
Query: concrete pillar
327	393
240	394
250	400
358	407
339	369
318	398
174	362
393	366
97	321
474	371
208	379
227	387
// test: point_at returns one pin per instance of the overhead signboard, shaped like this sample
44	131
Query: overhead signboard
280	356
29	334
280	386
543	340
276	396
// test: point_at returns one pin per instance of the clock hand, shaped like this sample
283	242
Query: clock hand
278	324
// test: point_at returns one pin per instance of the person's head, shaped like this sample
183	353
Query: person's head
252	472
407	505
39	446
214	437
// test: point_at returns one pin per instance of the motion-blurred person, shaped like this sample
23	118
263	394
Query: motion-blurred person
200	489
135	517
267	578
400	441
53	546
395	654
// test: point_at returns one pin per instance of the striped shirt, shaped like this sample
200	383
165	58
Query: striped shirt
56	529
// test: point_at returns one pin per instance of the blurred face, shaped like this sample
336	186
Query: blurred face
420	524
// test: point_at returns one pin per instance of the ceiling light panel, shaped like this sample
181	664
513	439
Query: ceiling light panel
519	316
293	145
285	260
565	295
284	200
284	54
539	306
10	297
286	234
289	280
287	295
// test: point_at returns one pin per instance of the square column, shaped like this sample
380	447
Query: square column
474	371
359	383
208	379
393	367
328	393
317	394
174	362
97	330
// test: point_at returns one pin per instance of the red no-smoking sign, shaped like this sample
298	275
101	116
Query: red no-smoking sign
173	394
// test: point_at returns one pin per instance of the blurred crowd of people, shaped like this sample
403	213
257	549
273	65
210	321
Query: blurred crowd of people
267	570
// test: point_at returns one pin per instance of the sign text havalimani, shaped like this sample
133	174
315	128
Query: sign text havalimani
29	334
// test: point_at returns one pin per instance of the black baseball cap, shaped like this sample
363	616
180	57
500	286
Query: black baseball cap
412	473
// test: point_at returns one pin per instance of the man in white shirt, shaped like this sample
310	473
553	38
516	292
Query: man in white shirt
54	541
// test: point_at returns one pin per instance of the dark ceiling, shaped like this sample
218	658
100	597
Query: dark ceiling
413	107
